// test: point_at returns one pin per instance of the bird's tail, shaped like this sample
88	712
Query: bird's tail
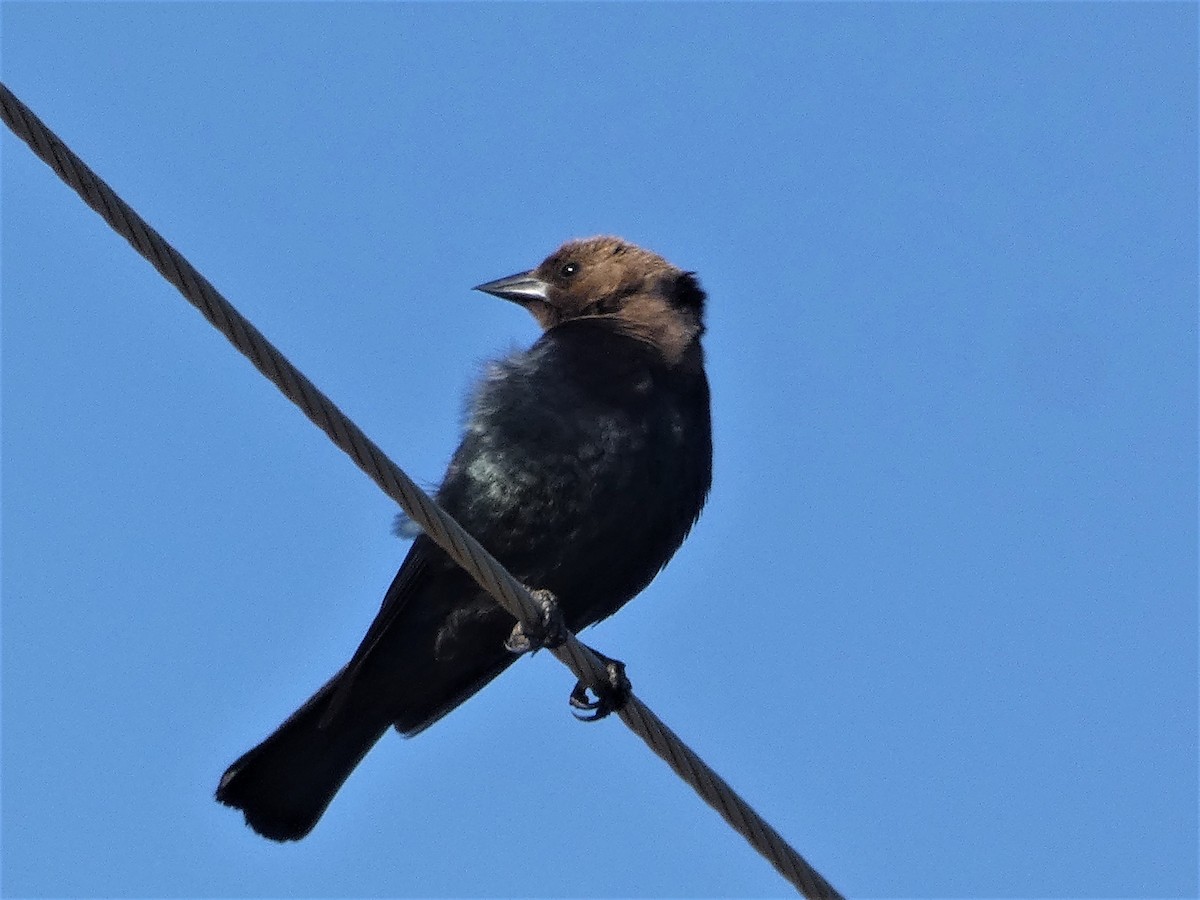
406	672
285	783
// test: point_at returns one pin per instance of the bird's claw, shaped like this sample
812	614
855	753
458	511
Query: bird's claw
610	697
550	632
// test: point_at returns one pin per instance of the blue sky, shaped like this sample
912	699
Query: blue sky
938	622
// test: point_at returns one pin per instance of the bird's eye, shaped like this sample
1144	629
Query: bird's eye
569	270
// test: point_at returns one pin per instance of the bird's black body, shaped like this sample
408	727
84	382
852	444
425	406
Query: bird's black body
583	467
585	461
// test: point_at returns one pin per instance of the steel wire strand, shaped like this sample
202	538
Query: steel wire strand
447	533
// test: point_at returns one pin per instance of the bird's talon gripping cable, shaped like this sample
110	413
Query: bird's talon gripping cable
610	698
550	632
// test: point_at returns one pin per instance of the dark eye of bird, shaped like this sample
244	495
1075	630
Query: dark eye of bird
569	270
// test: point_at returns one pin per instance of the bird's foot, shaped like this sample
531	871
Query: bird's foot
610	697
550	632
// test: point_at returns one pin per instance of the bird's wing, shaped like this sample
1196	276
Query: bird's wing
407	582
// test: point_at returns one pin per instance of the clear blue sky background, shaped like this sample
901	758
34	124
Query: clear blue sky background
939	620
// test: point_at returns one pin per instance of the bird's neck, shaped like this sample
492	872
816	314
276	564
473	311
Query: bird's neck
675	337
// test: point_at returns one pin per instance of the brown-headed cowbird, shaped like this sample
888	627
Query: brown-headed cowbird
585	462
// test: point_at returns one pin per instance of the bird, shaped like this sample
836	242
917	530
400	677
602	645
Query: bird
585	461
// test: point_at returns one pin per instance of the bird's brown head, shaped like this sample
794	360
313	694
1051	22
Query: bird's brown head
639	292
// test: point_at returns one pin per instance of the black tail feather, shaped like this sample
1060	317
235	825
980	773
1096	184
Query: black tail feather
285	783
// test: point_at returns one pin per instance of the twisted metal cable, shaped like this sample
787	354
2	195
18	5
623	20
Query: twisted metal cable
447	533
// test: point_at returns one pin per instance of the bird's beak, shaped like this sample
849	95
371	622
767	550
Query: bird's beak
520	288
